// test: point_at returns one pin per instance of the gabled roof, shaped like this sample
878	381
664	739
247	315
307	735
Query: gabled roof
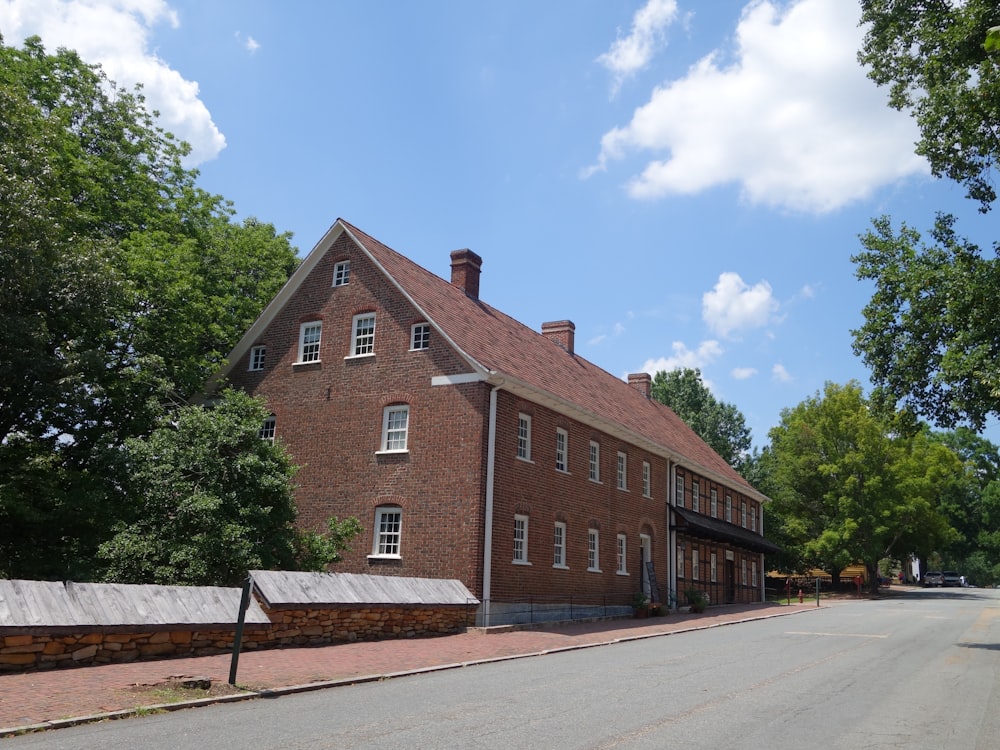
506	353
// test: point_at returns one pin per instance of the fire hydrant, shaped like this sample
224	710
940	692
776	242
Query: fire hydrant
801	599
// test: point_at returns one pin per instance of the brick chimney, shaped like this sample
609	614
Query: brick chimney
642	382
465	267
561	332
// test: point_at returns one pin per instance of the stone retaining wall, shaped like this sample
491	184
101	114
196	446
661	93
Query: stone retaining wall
24	652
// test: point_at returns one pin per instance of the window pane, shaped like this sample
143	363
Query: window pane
389	524
309	345
396	423
364	335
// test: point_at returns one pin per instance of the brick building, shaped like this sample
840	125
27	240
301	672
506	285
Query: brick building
473	447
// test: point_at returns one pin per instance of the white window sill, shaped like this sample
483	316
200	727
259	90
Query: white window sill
526	460
621	572
561	567
563	471
594	570
392	453
360	356
596	481
520	562
310	362
622	489
385	557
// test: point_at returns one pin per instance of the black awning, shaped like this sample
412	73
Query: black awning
704	527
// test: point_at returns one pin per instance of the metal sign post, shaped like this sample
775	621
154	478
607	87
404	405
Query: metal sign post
238	638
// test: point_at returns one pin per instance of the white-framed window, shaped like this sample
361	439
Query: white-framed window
753	517
729	508
622	471
521	539
714	567
524	437
310	335
695	565
267	429
593	550
715	503
420	336
743	570
559	545
395	426
680	561
257	355
646	480
695	497
622	555
743	514
753	573
388	531
679	492
562	447
342	273
595	462
363	336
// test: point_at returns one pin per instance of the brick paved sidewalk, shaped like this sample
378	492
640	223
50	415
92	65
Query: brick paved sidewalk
67	696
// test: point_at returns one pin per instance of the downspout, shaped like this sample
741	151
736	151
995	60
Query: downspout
491	440
763	573
671	536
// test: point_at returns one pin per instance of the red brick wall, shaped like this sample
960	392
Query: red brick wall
546	495
329	415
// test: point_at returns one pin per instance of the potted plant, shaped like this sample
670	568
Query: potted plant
696	600
640	604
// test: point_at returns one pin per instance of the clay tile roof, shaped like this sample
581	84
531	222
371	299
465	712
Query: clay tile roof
500	344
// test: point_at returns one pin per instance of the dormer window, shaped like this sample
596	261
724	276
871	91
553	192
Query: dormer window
342	273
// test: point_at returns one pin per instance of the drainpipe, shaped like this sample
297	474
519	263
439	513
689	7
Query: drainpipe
671	535
491	441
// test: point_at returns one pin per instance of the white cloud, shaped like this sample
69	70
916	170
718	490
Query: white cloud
251	44
115	33
743	373
732	306
630	54
793	120
682	357
780	374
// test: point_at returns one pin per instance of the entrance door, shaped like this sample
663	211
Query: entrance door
645	556
730	581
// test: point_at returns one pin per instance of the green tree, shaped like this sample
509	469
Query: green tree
718	423
930	330
123	287
846	488
212	500
933	56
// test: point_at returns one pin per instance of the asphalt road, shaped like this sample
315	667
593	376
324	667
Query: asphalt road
918	672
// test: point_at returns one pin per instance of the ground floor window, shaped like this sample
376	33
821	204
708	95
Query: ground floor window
388	531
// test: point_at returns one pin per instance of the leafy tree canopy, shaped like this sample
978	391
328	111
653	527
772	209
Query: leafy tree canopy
718	423
124	286
931	330
934	57
848	488
212	500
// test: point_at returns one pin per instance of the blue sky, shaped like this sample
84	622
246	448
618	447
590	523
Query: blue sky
685	181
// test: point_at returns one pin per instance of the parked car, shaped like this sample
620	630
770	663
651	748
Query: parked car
951	578
933	578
